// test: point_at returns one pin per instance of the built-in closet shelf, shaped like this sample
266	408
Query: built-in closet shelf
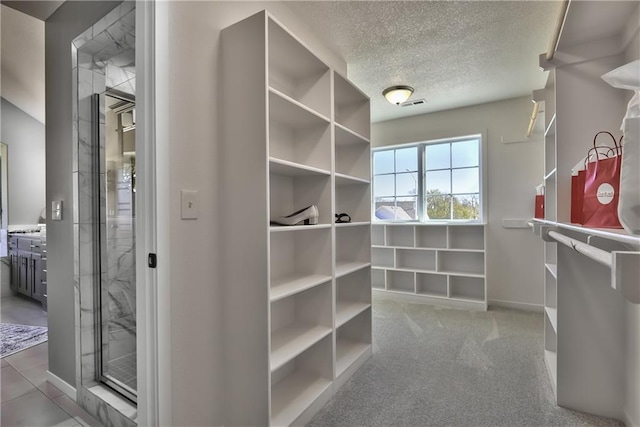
353	224
444	262
283	287
347	310
307	129
552	314
553	269
281	228
346	136
342	179
344	268
550	175
292	112
288	168
290	341
294	394
347	352
551	127
551	359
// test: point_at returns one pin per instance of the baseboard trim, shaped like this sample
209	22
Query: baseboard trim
517	305
62	385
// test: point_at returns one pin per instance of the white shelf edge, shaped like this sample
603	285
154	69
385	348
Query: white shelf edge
286	286
345	311
439	272
551	362
618	235
293	395
552	122
344	268
550	174
347	352
290	341
352	179
463	300
352	224
281	228
552	315
298	104
297	166
553	269
352	132
453	273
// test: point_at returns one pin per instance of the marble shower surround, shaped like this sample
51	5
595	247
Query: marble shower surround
103	56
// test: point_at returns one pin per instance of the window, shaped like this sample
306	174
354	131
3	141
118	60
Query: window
438	180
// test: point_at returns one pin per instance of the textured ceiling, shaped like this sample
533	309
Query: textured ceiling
454	53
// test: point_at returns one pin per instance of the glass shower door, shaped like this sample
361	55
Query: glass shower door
117	294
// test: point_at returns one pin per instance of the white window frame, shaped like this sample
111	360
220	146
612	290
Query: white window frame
421	195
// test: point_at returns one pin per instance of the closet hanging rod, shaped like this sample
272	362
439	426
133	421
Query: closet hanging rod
596	254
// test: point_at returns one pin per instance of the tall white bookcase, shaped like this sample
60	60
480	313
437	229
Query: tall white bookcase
298	298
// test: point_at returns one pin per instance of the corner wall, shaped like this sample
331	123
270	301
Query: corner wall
513	170
69	21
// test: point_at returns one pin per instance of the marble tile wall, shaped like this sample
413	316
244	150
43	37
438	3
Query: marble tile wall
103	56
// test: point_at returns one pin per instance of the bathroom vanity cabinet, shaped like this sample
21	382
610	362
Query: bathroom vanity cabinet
28	258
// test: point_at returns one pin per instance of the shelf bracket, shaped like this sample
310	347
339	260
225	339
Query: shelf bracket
625	274
543	232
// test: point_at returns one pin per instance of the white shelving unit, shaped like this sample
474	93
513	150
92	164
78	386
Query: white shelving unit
443	263
584	350
297	298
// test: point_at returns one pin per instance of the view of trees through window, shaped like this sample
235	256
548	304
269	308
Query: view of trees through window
428	181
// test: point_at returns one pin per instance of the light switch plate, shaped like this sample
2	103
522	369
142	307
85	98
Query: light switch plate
189	204
56	210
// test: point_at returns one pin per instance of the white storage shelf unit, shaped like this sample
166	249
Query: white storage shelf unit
298	297
445	263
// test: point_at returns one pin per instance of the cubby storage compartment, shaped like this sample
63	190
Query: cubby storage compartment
383	257
400	281
461	262
353	249
431	237
299	259
292	189
351	107
440	252
466	237
298	322
353	154
551	253
377	235
550	290
416	259
353	295
434	285
353	339
354	199
400	236
296	72
469	288
378	278
298	383
298	135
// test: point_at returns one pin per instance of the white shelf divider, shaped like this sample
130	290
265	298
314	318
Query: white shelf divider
344	268
286	286
347	310
290	341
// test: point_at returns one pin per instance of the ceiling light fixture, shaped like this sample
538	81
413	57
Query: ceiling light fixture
397	94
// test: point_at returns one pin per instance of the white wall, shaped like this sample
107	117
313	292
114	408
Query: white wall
188	144
22	67
632	311
25	138
513	170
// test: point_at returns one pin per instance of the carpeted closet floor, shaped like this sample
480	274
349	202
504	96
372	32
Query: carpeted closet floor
435	366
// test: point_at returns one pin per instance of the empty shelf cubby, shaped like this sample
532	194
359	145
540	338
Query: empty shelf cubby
467	288
466	237
382	257
431	284
416	259
431	237
400	236
461	262
400	281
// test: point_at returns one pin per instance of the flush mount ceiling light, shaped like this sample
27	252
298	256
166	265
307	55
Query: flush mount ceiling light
397	94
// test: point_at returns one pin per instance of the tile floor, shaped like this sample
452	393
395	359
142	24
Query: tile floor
27	398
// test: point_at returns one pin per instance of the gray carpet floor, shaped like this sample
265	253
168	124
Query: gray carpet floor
435	366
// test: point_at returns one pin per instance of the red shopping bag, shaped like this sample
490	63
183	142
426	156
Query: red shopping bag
539	209
577	196
602	189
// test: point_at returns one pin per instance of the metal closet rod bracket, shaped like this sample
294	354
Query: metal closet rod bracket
624	265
